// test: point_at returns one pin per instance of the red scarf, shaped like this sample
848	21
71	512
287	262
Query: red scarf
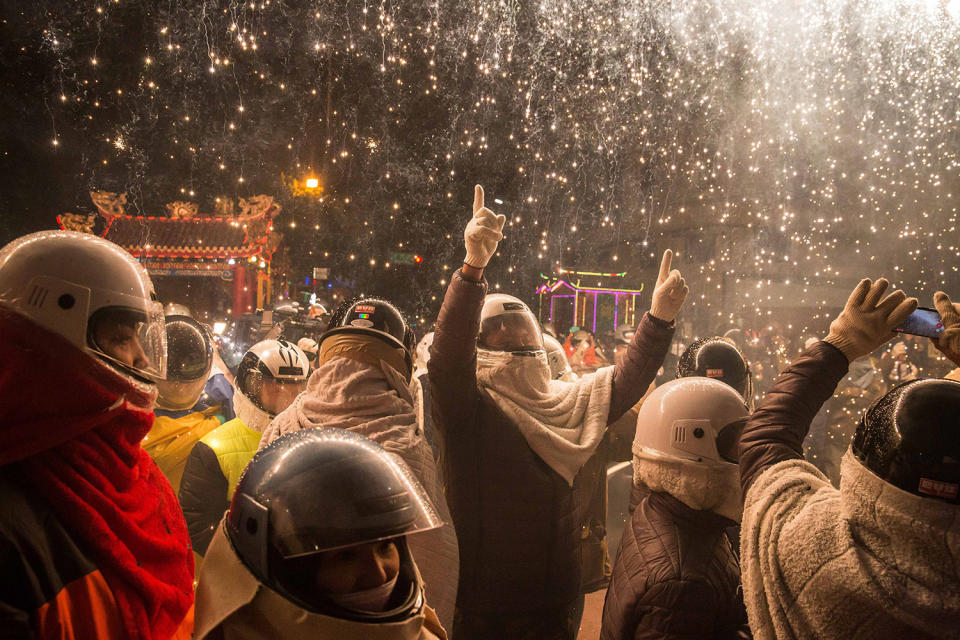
74	427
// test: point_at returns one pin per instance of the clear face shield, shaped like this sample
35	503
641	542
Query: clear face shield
189	360
516	331
131	340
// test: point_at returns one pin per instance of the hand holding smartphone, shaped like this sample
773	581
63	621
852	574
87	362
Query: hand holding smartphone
922	322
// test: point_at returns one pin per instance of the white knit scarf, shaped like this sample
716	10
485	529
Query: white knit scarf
563	422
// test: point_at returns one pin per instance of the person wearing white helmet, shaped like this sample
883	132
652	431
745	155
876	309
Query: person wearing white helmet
95	545
676	571
271	374
309	347
515	442
557	359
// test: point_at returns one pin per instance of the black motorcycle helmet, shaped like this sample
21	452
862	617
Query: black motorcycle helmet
376	317
318	490
719	359
911	438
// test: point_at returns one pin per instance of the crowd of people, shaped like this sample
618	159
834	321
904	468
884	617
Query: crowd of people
361	485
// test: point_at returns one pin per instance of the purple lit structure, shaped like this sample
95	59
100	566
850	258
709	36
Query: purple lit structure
599	300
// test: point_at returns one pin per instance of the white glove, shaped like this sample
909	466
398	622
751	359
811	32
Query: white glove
483	232
670	292
866	322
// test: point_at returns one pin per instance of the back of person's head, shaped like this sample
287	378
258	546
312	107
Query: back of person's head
910	438
313	498
189	360
686	443
271	374
90	292
716	358
376	324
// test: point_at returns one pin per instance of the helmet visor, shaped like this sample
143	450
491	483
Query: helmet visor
189	350
510	331
349	502
132	340
728	440
276	395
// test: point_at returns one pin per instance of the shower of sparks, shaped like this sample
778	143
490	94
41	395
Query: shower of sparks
783	148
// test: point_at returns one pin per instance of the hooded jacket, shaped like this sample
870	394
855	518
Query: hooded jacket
233	605
358	397
867	560
516	517
173	436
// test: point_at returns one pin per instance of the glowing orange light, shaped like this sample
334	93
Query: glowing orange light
312	183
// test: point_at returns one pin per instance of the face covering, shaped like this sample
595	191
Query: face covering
374	600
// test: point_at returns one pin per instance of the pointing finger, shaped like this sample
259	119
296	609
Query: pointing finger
477	198
665	265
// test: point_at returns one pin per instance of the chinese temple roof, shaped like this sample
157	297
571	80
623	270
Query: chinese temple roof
184	234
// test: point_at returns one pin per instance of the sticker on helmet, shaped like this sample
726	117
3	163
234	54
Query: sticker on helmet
364	308
514	306
365	324
938	489
714	373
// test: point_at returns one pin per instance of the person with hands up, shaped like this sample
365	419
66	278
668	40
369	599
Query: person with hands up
877	557
514	442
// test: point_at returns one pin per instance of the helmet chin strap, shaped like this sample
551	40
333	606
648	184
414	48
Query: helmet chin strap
250	414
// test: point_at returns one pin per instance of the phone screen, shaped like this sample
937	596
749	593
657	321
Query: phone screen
922	322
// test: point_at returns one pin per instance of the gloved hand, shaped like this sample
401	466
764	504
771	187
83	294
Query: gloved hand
949	341
483	233
670	292
866	322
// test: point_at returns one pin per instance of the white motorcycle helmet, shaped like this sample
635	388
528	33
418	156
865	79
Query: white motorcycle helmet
557	359
507	324
272	373
693	419
422	353
73	283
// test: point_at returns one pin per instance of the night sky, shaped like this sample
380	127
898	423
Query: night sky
782	148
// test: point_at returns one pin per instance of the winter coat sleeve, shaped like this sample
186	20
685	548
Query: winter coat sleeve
636	371
676	609
452	369
775	431
203	495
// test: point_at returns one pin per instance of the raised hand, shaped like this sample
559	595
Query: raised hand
483	233
670	292
949	341
866	321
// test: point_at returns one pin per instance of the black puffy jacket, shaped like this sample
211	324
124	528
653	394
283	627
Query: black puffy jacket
676	575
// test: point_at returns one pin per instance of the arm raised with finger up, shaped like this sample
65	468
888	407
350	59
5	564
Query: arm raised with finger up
671	291
481	237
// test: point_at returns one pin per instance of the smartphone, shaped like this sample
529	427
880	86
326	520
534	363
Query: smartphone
922	322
